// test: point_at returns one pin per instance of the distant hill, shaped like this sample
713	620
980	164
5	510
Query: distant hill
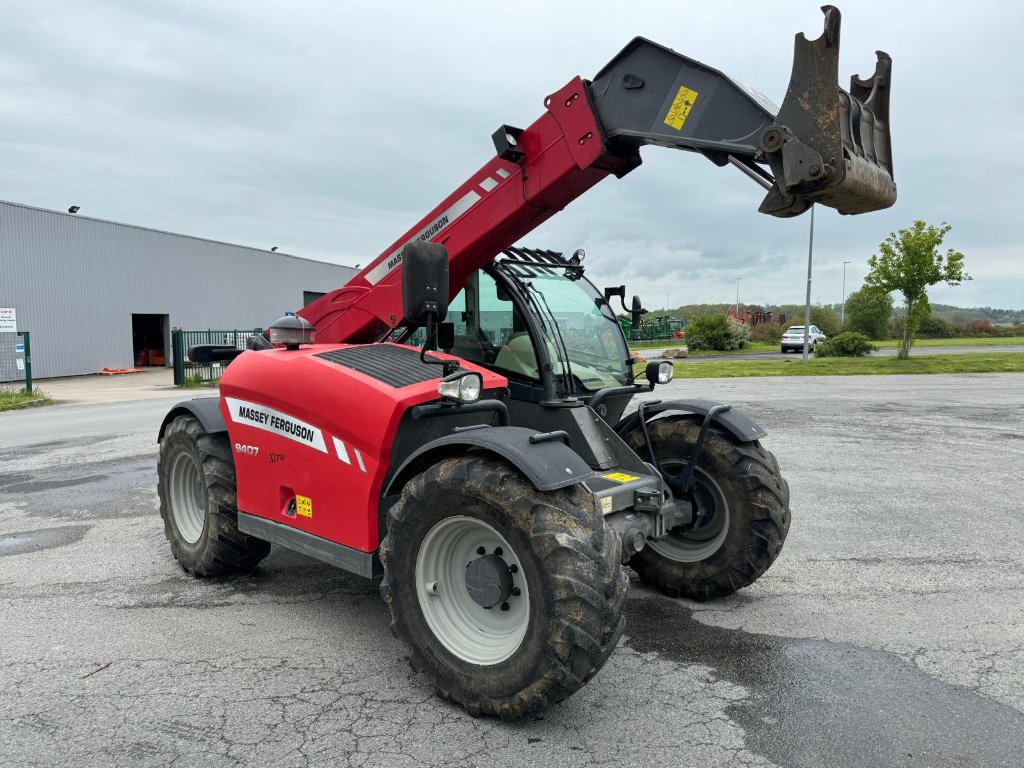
956	315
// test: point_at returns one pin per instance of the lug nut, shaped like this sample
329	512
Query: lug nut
498	551
481	551
504	606
516	591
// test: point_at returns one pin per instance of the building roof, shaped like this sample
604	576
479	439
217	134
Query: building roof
165	232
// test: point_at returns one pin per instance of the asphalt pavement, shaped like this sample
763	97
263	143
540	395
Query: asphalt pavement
889	633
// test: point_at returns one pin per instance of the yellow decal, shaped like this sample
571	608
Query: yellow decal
680	109
303	506
620	477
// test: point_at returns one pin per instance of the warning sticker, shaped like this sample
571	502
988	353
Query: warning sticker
680	109
303	506
620	477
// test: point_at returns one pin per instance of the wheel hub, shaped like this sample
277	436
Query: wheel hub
702	537
489	580
472	590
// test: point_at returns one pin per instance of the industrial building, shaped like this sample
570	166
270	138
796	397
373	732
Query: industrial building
98	294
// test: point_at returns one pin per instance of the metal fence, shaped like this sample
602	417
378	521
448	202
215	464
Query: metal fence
203	374
15	362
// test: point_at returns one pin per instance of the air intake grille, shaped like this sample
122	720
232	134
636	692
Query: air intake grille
395	366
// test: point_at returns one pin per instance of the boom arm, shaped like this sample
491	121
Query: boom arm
824	145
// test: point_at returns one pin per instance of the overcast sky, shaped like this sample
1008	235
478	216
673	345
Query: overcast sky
328	129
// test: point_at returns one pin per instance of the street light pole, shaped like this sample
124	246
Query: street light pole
807	304
738	297
842	307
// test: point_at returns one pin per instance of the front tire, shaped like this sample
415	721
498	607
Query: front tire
196	476
547	612
745	506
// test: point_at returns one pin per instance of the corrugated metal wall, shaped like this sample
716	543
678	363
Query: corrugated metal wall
76	282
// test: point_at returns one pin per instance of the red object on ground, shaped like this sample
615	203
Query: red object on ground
115	371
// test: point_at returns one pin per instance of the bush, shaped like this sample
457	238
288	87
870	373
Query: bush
978	328
846	344
768	333
933	327
739	334
716	332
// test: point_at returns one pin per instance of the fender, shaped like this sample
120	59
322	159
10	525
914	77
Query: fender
742	427
548	465
206	409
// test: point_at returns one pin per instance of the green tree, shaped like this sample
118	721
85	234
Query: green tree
869	311
827	320
911	263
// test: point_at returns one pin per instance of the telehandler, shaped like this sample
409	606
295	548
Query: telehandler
490	475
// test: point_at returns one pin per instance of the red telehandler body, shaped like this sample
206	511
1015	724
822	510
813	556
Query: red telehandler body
488	472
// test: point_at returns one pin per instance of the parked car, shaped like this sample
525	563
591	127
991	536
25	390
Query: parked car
793	338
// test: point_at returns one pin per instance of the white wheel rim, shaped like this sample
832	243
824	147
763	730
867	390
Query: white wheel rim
478	635
188	497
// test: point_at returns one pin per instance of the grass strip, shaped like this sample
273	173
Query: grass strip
10	401
981	362
982	341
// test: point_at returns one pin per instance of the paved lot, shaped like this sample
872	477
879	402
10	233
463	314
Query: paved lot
100	388
890	631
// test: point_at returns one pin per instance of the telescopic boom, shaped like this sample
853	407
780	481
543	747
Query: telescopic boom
824	145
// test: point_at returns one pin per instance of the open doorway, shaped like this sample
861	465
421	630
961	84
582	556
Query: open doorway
149	339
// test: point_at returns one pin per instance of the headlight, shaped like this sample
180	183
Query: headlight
659	373
463	387
665	371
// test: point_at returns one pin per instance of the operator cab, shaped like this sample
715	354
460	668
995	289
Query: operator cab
530	304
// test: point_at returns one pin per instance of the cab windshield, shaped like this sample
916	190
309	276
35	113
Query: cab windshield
582	334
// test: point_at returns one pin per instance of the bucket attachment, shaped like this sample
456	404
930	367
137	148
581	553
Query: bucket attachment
828	145
825	145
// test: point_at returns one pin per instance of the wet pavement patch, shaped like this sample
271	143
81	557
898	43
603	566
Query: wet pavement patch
103	490
8	479
34	486
37	448
816	702
23	542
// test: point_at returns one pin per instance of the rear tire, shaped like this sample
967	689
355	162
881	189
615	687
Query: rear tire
197	502
746	500
564	614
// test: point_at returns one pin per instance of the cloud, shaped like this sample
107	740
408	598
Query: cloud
329	129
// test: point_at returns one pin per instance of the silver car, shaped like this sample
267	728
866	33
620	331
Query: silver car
793	338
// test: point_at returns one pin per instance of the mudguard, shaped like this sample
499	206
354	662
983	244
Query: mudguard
206	409
548	465
738	423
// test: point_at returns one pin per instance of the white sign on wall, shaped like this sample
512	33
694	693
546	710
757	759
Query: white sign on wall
8	320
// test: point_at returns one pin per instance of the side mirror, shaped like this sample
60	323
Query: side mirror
637	312
424	282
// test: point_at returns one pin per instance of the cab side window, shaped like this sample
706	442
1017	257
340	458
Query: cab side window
490	330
